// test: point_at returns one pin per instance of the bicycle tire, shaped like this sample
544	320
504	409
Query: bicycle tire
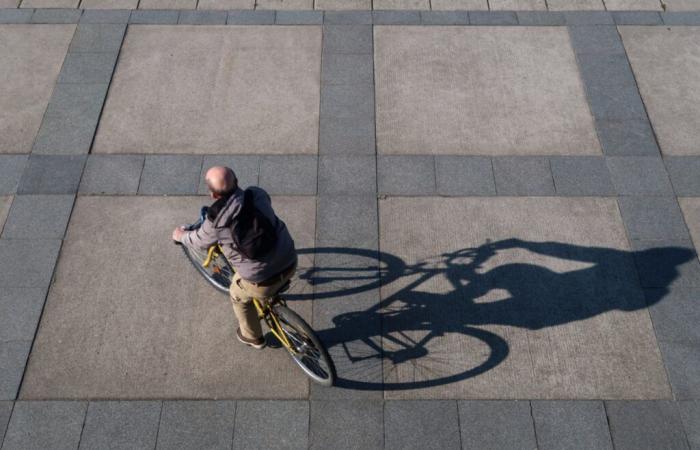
288	317
220	283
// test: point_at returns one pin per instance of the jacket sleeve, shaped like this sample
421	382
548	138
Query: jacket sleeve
203	237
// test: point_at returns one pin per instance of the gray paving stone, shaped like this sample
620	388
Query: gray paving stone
112	174
170	174
346	424
347	39
70	119
645	424
20	309
588	18
627	137
653	218
299	17
523	176
15	15
347	221
5	411
637	18
289	174
38	216
246	168
27	263
496	425
682	362
468	175
581	175
396	17
153	17
291	419
666	263
347	119
13	357
681	17
540	18
406	175
119	425
11	168
633	175
87	68
602	70
196	424
347	175
251	17
444	17
347	135
65	134
105	16
421	425
348	17
600	39
77	102
685	174
615	102
49	15
55	425
690	414
51	174
98	38
347	69
571	425
492	18
675	313
202	17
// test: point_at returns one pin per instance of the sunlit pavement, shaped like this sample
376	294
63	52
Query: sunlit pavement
497	214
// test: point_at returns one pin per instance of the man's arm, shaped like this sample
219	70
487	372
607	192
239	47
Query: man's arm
203	237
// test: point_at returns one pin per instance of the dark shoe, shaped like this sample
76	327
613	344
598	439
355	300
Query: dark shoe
257	344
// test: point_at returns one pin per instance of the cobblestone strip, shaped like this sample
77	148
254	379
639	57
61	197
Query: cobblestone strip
73	112
620	116
347	224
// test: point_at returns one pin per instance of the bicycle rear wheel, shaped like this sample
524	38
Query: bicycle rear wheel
219	272
308	351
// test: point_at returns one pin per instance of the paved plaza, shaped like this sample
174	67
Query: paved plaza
496	206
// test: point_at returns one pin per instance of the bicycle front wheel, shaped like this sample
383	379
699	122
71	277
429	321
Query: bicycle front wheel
306	349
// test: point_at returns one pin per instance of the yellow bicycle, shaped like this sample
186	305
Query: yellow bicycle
292	332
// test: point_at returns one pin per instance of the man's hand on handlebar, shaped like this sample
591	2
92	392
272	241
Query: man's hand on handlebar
178	233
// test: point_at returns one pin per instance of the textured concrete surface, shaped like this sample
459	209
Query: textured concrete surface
214	90
479	90
552	310
30	60
691	211
666	63
138	322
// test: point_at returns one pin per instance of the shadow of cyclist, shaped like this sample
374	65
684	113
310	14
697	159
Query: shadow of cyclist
482	290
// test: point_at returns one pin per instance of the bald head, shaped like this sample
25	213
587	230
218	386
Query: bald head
221	180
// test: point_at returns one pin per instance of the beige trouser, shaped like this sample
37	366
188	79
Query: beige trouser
242	294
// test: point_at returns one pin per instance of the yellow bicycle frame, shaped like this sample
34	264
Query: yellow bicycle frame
264	312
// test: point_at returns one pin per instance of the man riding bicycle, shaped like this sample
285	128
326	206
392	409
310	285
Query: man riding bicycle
253	239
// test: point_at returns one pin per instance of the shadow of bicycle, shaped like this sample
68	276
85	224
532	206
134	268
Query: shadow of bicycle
430	326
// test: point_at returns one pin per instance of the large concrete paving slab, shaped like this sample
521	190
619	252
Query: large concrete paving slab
480	91
691	212
666	64
214	89
30	60
549	309
128	317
